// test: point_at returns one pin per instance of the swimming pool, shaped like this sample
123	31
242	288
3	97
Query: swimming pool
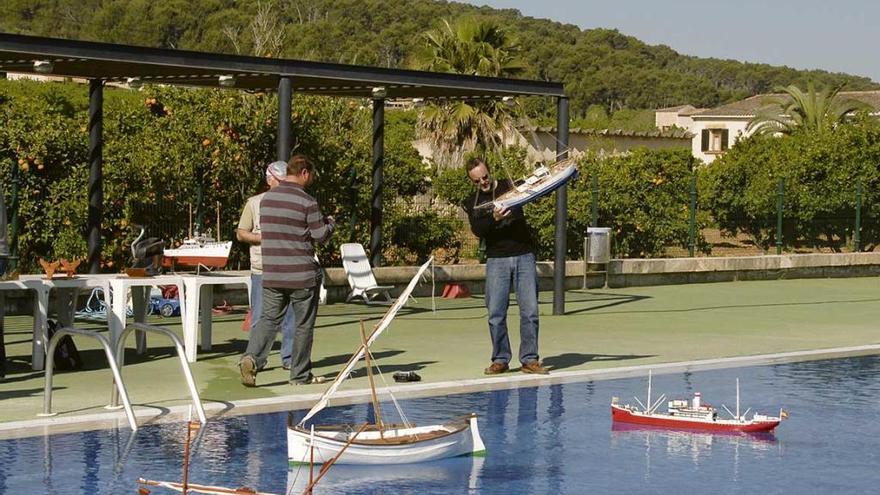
556	439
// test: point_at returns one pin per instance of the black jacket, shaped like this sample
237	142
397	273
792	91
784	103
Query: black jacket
509	237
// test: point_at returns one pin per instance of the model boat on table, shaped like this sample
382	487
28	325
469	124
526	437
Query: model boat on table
543	181
380	443
200	250
693	415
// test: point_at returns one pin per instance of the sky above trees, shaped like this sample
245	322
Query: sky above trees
803	34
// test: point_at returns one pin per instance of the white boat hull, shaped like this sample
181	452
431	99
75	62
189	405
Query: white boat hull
463	438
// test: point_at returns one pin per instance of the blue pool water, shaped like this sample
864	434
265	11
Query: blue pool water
555	439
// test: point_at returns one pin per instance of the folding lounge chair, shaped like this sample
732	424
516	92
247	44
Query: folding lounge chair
360	275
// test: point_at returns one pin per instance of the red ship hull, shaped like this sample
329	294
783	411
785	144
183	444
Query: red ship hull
208	261
623	415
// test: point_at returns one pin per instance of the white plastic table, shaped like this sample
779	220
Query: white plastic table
199	300
120	285
68	290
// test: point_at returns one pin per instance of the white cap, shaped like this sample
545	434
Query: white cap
278	170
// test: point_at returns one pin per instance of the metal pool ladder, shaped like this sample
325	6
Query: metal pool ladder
116	361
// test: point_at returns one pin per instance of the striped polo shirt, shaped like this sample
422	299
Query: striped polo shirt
290	221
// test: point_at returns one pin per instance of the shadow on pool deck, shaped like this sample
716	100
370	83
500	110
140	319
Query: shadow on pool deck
605	329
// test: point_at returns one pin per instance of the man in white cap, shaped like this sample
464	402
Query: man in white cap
249	232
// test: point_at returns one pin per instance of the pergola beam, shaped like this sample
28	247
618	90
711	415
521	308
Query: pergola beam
100	62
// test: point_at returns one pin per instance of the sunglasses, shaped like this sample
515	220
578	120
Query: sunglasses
481	179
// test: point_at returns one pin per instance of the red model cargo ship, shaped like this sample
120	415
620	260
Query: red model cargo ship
692	415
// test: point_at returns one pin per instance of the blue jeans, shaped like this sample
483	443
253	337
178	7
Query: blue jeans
502	275
286	325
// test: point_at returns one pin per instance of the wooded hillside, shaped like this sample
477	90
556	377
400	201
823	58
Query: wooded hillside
600	67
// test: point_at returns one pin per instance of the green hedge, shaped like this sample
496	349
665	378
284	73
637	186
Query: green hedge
643	197
821	173
167	147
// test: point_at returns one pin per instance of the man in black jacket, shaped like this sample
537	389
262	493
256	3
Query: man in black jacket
510	264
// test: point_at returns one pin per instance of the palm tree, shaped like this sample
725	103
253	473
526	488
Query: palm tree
479	48
817	111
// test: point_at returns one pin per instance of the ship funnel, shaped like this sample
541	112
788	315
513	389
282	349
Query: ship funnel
696	400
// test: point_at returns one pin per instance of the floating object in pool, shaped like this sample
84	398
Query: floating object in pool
693	415
380	443
185	486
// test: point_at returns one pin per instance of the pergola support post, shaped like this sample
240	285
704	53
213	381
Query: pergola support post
561	209
96	173
285	99
378	177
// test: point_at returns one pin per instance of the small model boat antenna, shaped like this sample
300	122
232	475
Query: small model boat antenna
737	398
190	221
218	221
649	392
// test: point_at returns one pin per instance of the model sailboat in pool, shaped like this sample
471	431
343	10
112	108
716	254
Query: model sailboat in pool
380	443
695	415
543	181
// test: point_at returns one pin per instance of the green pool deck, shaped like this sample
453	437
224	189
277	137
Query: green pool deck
603	329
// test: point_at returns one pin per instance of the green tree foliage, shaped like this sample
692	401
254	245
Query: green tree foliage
598	66
817	111
166	146
643	198
820	170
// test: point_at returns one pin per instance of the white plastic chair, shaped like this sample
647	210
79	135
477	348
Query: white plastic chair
360	275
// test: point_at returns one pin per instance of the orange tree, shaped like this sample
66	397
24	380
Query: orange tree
168	148
643	198
821	171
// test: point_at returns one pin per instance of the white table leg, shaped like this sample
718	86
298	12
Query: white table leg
190	317
41	316
139	308
116	317
206	302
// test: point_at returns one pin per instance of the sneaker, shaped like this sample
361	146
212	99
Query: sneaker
248	369
496	369
534	367
312	380
286	365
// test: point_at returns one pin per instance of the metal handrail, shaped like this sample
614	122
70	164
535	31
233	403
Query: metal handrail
117	377
120	357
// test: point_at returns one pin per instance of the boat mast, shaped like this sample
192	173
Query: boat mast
190	220
218	221
737	399
649	393
376	408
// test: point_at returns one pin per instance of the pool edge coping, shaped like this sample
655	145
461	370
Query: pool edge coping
146	414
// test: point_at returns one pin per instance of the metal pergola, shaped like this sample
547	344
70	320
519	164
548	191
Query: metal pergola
105	62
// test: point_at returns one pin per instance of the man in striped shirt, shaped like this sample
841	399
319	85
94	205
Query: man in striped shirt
291	221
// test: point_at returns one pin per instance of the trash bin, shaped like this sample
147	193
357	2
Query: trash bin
599	245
